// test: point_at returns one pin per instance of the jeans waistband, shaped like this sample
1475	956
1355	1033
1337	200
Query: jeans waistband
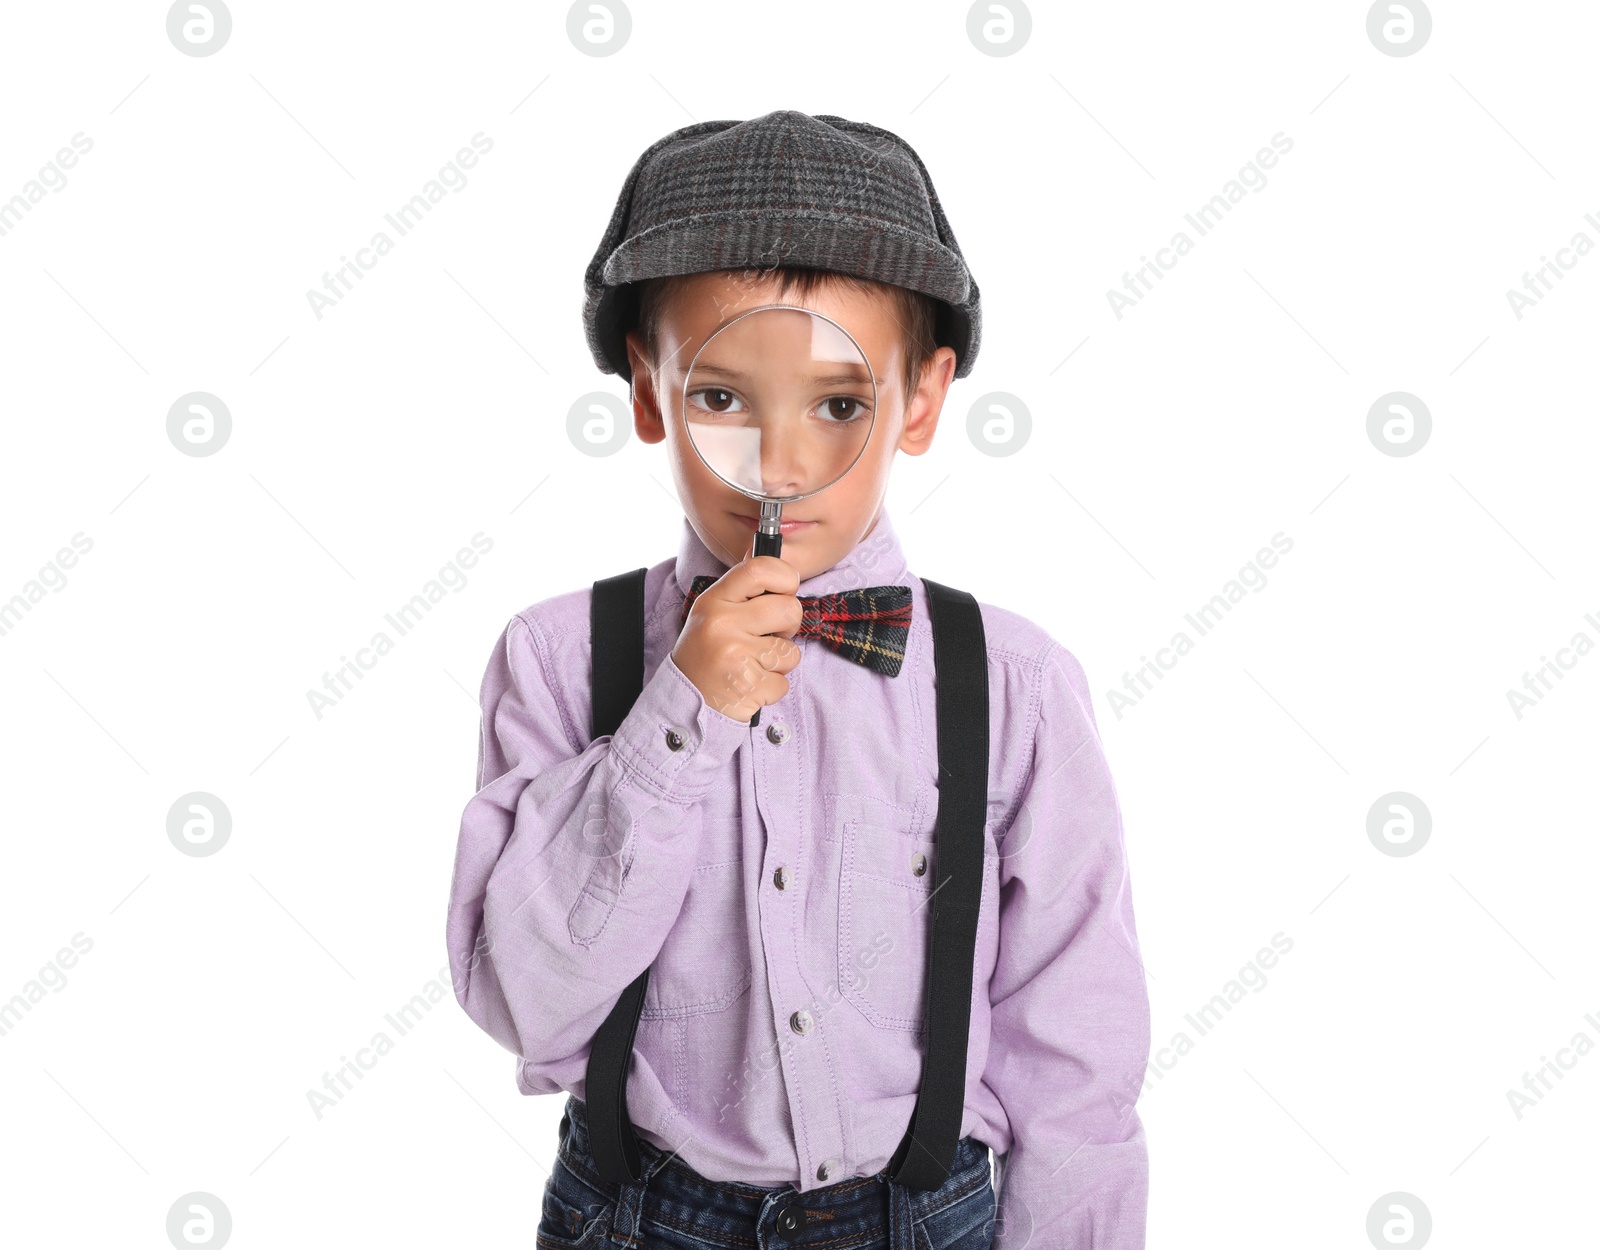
852	1202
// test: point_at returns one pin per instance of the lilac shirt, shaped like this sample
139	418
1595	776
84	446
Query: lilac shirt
580	863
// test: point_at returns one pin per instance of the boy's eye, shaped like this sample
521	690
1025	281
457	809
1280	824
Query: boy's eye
842	408
715	399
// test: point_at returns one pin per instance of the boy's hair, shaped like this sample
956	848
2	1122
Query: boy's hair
915	313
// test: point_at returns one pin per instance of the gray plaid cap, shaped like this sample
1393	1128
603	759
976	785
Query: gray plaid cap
786	188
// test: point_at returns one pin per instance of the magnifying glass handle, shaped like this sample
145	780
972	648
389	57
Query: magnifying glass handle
769	542
769	537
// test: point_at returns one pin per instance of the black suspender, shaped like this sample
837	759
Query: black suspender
616	645
616	633
961	700
961	709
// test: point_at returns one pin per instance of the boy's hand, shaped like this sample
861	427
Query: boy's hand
736	643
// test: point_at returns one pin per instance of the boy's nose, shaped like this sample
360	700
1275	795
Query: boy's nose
783	468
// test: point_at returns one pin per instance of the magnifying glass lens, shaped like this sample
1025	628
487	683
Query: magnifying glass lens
779	403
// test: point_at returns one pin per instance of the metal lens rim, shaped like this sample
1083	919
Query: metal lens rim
683	403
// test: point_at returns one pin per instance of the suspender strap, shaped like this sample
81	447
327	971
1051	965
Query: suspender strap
616	661
961	701
616	648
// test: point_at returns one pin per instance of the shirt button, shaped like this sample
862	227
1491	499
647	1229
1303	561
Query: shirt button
780	878
676	739
919	864
828	1168
800	1022
776	733
791	1222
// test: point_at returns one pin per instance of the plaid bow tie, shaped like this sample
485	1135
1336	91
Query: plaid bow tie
868	625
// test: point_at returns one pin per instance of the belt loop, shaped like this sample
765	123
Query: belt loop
627	1224
901	1235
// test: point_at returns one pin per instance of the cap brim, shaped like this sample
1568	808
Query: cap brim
759	240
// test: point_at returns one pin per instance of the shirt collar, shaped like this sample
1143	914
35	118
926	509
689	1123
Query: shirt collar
876	560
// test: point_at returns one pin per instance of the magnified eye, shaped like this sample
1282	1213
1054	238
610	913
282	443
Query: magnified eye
842	408
715	399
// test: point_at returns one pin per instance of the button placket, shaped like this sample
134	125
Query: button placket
779	776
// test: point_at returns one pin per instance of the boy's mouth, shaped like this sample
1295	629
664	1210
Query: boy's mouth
785	527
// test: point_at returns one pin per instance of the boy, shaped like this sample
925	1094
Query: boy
758	831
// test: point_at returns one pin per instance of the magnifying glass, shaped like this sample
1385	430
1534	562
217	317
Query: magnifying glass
779	403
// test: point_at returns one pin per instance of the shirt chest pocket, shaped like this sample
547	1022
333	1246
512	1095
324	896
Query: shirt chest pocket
704	965
886	872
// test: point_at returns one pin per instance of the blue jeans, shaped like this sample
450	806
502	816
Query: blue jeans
673	1207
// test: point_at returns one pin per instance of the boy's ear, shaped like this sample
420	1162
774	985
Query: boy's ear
927	401
647	420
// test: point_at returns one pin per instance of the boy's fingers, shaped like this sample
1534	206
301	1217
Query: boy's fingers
773	655
772	613
754	576
779	656
748	617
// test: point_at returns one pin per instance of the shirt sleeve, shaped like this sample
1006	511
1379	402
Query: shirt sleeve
1070	1011
572	866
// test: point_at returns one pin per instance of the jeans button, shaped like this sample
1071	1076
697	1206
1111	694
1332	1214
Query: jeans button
791	1222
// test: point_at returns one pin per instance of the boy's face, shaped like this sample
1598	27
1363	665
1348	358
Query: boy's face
834	520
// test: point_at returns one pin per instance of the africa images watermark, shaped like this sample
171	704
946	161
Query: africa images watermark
52	977
452	575
1537	684
51	177
1536	285
51	577
1250	178
1252	577
1253	975
1537	1083
339	1082
338	284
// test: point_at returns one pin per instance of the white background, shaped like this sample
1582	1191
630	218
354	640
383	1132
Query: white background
431	403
